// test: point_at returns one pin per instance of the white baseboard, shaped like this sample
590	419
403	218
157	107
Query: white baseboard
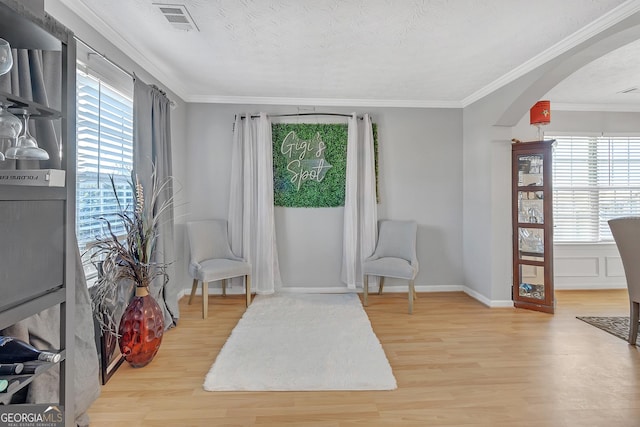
317	290
582	287
330	289
486	301
236	290
231	290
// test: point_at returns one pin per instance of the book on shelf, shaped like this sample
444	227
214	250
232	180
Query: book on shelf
33	177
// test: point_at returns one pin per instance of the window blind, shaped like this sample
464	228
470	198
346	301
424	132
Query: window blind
105	148
594	179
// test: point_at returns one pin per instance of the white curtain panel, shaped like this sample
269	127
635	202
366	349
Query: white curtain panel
251	211
360	208
368	212
350	237
236	194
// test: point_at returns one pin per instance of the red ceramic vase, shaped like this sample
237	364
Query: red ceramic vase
141	329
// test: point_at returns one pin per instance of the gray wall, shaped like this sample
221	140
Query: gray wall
579	122
447	169
420	177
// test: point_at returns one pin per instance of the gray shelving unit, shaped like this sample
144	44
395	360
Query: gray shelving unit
37	224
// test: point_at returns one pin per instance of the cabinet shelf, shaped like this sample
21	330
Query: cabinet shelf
15	313
531	261
531	187
531	225
17	105
15	192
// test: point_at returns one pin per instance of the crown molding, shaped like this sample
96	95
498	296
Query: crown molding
607	20
614	108
329	102
175	85
113	36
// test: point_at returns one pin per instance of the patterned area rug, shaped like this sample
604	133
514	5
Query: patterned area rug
618	326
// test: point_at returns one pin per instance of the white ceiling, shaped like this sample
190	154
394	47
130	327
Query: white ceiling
445	53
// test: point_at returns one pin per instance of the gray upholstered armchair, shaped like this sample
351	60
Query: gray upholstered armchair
211	259
394	256
626	232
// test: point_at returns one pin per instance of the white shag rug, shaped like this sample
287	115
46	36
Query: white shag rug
302	342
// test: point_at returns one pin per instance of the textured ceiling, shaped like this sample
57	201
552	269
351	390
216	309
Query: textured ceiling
603	81
353	52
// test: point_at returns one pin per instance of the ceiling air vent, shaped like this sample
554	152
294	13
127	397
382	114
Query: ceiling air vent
178	16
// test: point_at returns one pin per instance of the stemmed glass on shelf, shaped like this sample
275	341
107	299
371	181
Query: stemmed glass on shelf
6	58
10	125
26	147
10	128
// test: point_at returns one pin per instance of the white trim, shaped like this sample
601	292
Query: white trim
236	290
614	108
607	20
316	290
372	289
332	102
114	37
486	301
588	287
420	288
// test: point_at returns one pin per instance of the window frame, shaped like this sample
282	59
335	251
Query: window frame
94	139
602	192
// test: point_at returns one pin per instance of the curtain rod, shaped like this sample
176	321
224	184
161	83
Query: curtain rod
103	56
118	67
242	117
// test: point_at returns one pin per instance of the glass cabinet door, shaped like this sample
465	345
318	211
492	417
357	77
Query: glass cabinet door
532	226
531	243
530	170
531	207
531	282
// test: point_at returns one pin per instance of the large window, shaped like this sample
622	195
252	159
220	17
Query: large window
105	149
595	178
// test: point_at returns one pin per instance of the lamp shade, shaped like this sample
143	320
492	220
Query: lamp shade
540	113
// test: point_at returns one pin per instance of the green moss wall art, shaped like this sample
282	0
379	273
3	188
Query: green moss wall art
309	164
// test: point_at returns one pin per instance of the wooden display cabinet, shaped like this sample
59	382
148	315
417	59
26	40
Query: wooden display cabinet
532	219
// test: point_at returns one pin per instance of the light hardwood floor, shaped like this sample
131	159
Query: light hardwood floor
457	363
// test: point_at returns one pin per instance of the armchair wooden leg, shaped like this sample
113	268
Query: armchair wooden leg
381	285
205	299
224	287
633	322
194	288
365	291
411	293
247	288
415	294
